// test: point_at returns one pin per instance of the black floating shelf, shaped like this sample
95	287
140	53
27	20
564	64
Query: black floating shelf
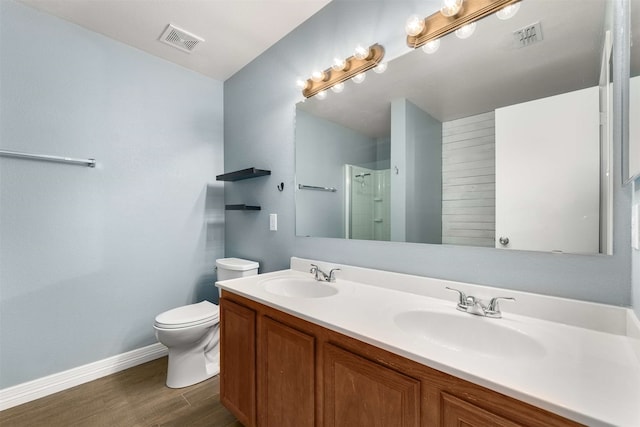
243	174
242	208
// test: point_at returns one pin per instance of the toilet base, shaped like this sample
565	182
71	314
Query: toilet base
191	364
187	368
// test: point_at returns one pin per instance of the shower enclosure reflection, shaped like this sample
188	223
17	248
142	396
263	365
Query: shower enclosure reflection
368	195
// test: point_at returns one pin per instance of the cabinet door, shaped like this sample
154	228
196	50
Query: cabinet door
359	392
459	413
286	376
238	361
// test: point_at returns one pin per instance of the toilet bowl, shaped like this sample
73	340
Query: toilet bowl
191	333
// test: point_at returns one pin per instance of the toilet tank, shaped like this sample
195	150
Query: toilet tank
234	268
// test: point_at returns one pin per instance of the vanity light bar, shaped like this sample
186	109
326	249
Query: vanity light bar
438	25
353	66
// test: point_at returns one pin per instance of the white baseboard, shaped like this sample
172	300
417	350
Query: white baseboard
633	324
41	387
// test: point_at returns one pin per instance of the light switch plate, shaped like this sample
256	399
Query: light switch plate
273	222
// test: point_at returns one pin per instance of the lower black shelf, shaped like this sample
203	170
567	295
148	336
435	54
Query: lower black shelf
242	208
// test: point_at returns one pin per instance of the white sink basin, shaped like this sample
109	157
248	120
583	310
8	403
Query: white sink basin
298	287
465	332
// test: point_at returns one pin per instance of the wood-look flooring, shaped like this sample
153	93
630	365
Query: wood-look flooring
136	397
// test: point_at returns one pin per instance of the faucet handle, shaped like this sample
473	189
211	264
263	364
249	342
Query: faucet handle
313	269
332	274
462	301
494	307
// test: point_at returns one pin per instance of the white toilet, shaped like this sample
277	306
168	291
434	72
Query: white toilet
191	332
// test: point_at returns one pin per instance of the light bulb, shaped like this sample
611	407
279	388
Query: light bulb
466	31
451	7
318	76
359	78
337	88
431	46
380	68
361	52
414	25
508	12
321	95
339	64
302	84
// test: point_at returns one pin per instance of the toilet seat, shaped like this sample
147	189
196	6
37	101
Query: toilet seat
188	315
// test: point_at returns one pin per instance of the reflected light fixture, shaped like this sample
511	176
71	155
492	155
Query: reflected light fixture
359	78
466	31
414	25
361	52
508	11
338	88
340	71
302	84
380	68
451	7
448	19
318	76
431	46
339	64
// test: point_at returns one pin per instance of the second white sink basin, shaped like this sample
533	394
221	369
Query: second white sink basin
465	332
299	287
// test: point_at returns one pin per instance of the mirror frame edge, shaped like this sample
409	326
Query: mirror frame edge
621	86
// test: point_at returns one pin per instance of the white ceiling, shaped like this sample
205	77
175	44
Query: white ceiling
235	31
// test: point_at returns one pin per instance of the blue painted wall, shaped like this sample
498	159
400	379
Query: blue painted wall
416	196
259	131
424	176
88	257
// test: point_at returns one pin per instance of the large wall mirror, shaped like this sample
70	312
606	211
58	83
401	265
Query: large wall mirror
490	141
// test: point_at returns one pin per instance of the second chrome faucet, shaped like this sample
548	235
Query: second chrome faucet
321	276
473	305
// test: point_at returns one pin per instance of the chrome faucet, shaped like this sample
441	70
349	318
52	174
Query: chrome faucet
473	305
321	276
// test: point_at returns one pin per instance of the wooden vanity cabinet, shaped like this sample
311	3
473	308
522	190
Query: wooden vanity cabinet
280	370
238	361
359	392
457	412
286	376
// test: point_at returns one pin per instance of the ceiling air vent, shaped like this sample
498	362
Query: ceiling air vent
528	35
179	38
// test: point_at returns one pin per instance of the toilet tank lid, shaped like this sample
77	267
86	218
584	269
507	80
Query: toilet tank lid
236	264
188	314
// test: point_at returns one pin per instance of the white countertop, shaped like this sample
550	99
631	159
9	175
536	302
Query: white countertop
585	374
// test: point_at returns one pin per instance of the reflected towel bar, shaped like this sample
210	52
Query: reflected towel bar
87	162
313	187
